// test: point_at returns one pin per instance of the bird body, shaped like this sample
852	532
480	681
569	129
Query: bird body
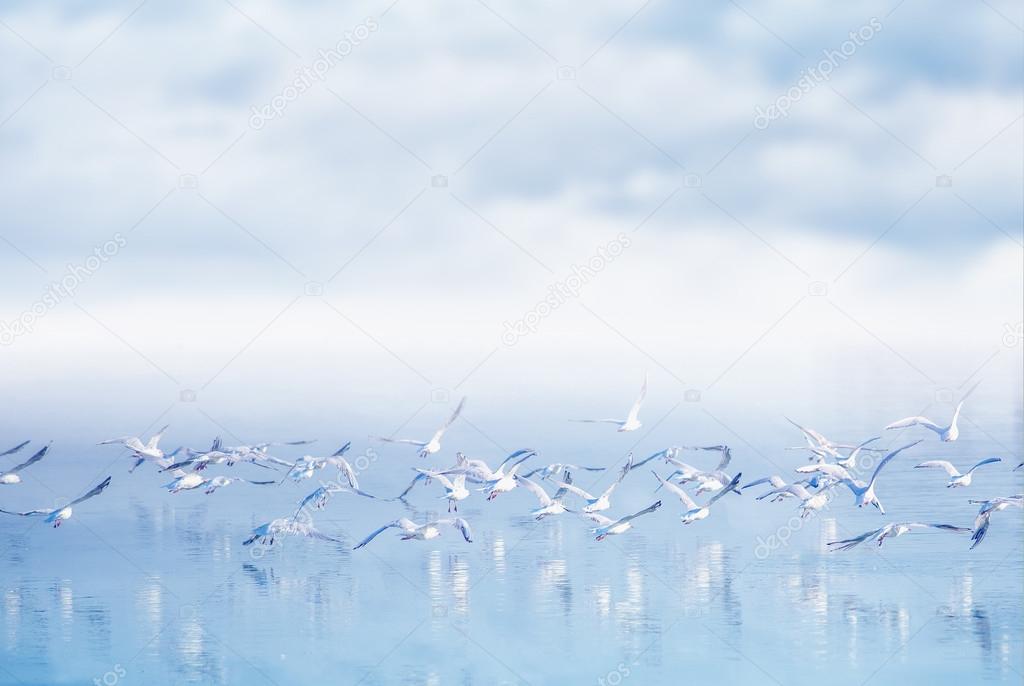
947	433
613	527
956	479
632	420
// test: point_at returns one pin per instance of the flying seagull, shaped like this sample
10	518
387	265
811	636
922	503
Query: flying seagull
988	508
695	512
956	479
454	488
142	451
11	475
557	468
864	494
946	433
549	505
599	502
194	480
631	422
892	530
809	502
61	514
611	527
421	532
434	444
267	533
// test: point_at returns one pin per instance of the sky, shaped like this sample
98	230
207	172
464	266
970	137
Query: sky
243	217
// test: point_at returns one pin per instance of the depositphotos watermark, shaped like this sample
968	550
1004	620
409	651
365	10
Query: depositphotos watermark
812	76
306	76
56	291
561	291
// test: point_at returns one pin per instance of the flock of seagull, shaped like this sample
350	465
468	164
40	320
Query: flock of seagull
830	466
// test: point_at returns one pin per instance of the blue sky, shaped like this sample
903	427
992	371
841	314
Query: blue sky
324	246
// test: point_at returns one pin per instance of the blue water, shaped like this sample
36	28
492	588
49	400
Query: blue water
144	587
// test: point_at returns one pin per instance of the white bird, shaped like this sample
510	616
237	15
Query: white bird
835	471
864	494
11	475
695	512
549	505
307	465
141	451
194	480
15	449
707	482
434	444
631	422
820	446
421	532
778	482
946	433
711	481
265	534
557	468
850	460
613	527
956	479
809	502
774	480
988	508
892	530
599	502
62	514
319	497
454	488
478	471
501	483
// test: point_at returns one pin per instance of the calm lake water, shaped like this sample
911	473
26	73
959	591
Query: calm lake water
144	587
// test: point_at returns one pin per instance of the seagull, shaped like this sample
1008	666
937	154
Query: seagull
421	532
478	471
892	530
779	484
865	494
15	449
708	482
454	489
600	502
305	466
61	514
836	471
434	444
11	475
817	443
666	453
956	479
946	433
695	512
266	533
557	468
141	451
194	480
318	498
851	460
549	505
630	423
502	483
988	507
809	502
714	480
612	527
